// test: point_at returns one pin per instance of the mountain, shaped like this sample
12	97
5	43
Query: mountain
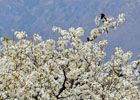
38	16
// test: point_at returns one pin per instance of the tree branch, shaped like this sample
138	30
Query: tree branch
63	86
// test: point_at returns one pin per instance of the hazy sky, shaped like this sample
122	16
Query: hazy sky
40	15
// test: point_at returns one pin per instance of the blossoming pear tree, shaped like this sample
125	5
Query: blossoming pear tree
68	69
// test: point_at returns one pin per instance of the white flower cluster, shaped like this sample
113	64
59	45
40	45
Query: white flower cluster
20	35
68	69
97	19
37	37
104	28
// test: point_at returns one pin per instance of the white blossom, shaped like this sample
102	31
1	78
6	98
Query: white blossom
97	21
37	37
69	68
20	35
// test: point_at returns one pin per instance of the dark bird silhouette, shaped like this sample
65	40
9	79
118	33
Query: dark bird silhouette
88	39
103	18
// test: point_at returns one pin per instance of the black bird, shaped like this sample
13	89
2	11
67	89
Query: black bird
103	18
88	39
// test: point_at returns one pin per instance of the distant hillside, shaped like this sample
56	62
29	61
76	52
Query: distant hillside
40	15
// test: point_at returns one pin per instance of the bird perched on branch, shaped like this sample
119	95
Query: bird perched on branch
88	39
103	18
